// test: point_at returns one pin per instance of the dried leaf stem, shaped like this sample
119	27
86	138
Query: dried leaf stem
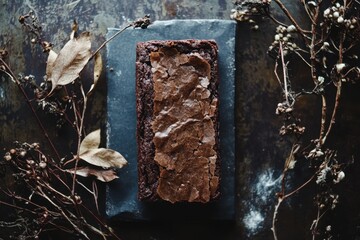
285	75
111	38
338	92
292	20
28	102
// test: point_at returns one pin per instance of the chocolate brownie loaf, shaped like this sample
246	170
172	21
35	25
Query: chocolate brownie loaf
177	120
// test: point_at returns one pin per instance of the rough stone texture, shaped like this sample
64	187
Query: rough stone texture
260	150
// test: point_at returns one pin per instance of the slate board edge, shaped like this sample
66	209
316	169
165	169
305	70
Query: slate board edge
111	210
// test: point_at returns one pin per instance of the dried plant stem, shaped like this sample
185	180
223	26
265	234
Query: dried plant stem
282	197
111	38
79	133
276	211
315	224
28	102
302	58
274	19
292	20
102	223
313	53
286	91
17	207
300	187
308	12
313	43
63	214
338	92
336	106
323	119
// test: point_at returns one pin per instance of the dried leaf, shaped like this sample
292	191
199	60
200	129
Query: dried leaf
50	62
291	160
71	60
102	175
91	141
97	70
103	157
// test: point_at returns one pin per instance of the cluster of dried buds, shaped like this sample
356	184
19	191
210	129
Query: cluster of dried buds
283	108
284	36
336	14
29	160
292	128
291	125
142	22
245	10
31	22
329	171
50	105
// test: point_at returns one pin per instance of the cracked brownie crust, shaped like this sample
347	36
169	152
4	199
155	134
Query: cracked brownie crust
177	120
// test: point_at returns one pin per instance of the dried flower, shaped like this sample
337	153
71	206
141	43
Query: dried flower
340	177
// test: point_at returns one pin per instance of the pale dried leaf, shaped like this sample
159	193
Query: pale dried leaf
91	141
98	65
291	163
103	175
71	60
103	157
50	62
291	160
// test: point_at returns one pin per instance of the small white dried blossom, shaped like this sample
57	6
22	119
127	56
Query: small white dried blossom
340	19
340	177
321	177
291	28
315	153
320	79
312	3
327	12
340	67
335	200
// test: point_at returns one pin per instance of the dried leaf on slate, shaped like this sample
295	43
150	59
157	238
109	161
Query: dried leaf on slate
50	62
103	157
102	175
71	60
91	141
98	65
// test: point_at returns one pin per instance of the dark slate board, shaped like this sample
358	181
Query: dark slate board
121	195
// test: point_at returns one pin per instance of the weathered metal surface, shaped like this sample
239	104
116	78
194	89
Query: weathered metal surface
261	152
121	198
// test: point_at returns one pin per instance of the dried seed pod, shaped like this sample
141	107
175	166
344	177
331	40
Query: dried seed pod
22	153
42	165
7	157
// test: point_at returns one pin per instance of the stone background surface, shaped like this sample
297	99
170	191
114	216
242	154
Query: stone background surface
261	152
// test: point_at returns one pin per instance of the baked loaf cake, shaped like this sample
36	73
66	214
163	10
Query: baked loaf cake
177	120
